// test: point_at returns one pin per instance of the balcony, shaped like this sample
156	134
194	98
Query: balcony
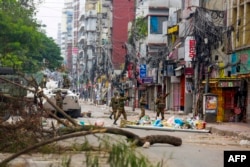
81	27
81	39
91	14
156	39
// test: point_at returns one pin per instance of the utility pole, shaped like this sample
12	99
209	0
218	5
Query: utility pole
195	91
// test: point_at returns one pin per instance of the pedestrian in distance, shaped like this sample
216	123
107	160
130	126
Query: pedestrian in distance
114	105
121	107
143	104
160	105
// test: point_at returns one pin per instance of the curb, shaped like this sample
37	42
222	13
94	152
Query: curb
227	133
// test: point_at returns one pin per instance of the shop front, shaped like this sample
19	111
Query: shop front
231	103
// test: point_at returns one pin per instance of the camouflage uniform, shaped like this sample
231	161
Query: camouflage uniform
66	82
44	81
59	99
160	105
121	109
114	105
143	103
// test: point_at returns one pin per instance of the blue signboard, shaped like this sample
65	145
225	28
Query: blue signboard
143	70
147	80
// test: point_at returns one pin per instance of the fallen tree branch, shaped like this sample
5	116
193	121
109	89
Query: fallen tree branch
87	130
41	94
152	139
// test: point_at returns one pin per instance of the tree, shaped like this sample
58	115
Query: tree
139	30
22	44
50	52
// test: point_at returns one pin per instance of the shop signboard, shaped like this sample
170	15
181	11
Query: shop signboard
143	70
229	84
147	80
190	48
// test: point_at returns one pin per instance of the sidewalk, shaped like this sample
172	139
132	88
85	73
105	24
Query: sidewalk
237	129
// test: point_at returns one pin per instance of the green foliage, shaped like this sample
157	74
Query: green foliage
22	45
66	161
142	27
124	156
139	30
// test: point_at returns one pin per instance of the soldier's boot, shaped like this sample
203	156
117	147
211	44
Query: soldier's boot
111	116
115	122
157	115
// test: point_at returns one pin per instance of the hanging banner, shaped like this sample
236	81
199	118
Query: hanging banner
190	48
130	71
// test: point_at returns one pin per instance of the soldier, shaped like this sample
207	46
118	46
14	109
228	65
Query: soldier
121	105
114	105
59	99
44	81
143	103
160	105
66	82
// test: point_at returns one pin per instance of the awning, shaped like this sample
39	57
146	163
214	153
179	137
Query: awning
211	82
224	82
244	75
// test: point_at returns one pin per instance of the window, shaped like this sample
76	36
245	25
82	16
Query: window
156	24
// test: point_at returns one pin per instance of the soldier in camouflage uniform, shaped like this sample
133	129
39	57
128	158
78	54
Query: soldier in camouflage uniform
66	82
44	81
160	105
59	99
143	103
121	107
114	105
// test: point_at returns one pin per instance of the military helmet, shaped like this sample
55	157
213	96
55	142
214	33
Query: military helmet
115	93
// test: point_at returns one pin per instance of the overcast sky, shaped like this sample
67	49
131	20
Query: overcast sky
50	14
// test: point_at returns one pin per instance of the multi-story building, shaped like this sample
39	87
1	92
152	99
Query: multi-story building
66	33
153	50
123	13
82	77
214	49
192	47
238	46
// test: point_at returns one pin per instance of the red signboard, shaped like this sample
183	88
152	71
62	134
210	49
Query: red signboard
192	50
130	71
189	71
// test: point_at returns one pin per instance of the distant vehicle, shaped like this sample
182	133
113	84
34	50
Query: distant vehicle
71	104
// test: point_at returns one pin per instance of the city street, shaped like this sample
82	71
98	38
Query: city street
197	149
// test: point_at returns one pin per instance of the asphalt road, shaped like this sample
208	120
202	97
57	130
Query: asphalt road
197	149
